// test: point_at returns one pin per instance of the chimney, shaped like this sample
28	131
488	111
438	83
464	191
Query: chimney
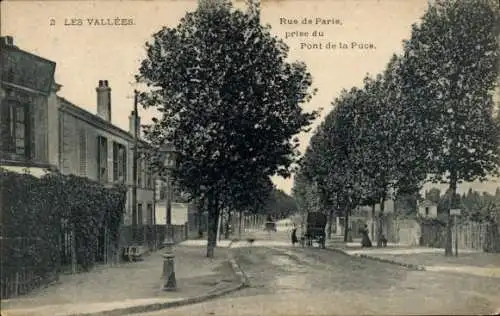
132	126
104	100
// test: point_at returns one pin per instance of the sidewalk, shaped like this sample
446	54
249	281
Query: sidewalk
473	262
132	284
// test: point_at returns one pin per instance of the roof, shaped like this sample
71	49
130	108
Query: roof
24	69
95	120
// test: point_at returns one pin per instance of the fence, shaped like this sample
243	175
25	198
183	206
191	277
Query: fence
17	280
249	223
394	230
152	236
432	233
484	236
197	224
469	235
20	273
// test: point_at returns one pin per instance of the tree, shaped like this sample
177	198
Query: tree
477	207
305	194
383	147
406	204
449	72
330	161
230	102
280	205
433	195
250	195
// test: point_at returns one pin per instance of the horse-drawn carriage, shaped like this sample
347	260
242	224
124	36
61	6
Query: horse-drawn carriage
315	229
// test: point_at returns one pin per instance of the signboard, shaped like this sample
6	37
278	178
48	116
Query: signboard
455	212
26	70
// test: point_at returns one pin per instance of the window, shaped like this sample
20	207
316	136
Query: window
102	159
83	152
427	211
140	218
162	189
150	214
15	128
119	163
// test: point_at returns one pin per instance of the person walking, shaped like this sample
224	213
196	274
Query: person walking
294	235
365	239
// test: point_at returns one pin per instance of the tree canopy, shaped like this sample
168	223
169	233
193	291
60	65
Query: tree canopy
428	115
230	101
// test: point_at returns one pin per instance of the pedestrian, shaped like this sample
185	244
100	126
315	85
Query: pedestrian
294	235
365	239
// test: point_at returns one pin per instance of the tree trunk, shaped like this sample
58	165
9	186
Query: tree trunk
330	221
239	226
448	249
213	223
380	230
373	223
346	226
200	218
228	225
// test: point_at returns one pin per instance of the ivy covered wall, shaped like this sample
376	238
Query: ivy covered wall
39	214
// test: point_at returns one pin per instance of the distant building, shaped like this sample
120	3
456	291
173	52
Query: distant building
42	132
184	211
427	209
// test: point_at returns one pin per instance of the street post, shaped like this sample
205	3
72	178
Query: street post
169	281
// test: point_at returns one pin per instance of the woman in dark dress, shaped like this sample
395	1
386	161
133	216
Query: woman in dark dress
365	239
294	236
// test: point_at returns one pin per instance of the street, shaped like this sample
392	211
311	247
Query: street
305	281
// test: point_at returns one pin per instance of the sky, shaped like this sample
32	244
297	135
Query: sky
66	32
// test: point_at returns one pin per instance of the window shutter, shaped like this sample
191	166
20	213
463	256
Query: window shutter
124	163
83	152
98	157
116	175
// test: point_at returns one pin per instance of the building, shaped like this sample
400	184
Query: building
42	132
27	93
427	209
184	213
91	146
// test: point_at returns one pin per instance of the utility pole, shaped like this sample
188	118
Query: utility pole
134	172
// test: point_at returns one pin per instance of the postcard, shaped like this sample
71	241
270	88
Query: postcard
257	157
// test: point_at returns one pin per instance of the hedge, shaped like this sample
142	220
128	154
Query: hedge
37	212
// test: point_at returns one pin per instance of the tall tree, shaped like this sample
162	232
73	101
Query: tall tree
230	101
383	149
433	195
449	73
330	161
280	205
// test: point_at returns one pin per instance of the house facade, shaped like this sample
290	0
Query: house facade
27	92
42	132
91	146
